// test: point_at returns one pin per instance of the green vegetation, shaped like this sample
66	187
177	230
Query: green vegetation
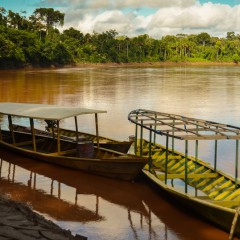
35	40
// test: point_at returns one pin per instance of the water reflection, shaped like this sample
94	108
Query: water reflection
119	210
106	210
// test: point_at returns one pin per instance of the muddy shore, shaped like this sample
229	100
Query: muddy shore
19	222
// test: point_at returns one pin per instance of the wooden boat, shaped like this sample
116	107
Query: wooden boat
69	134
80	154
188	180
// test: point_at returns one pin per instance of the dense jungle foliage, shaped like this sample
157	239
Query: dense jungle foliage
35	40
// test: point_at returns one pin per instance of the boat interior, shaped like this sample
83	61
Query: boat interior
49	145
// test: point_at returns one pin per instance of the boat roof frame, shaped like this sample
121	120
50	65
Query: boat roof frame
44	111
181	127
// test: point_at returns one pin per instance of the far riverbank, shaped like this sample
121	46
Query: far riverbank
133	64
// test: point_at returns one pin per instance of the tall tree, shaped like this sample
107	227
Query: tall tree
50	17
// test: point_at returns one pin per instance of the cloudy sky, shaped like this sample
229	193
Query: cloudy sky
156	18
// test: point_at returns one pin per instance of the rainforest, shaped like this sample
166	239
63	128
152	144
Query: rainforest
36	40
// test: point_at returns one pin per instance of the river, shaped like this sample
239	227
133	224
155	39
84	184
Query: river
101	208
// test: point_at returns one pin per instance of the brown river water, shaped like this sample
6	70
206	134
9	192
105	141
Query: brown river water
102	208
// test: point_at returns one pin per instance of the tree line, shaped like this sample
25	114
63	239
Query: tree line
36	40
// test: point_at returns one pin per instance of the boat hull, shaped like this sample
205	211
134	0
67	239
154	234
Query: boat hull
208	195
104	162
219	216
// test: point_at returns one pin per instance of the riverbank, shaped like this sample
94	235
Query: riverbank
133	64
18	221
154	64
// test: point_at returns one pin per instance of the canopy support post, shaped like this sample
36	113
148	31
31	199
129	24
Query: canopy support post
155	128
196	150
186	166
58	138
166	160
33	134
215	156
150	150
11	128
173	137
1	134
76	126
97	132
136	137
236	162
141	138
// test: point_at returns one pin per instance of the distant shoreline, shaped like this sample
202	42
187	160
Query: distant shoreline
111	65
155	64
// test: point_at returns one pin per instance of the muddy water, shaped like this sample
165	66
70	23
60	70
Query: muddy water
101	208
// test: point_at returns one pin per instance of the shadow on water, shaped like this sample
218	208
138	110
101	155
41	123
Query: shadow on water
97	207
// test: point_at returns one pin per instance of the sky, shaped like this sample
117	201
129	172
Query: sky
131	18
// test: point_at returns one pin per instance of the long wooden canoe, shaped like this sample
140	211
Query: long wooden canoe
190	181
81	154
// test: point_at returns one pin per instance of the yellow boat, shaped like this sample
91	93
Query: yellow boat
190	181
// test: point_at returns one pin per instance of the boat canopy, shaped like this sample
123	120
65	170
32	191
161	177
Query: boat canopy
44	111
182	127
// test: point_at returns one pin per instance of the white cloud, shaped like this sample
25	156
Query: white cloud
170	17
109	4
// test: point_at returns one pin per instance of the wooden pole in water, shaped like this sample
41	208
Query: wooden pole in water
97	134
33	134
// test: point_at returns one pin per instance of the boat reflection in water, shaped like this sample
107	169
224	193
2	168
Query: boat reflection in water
97	207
